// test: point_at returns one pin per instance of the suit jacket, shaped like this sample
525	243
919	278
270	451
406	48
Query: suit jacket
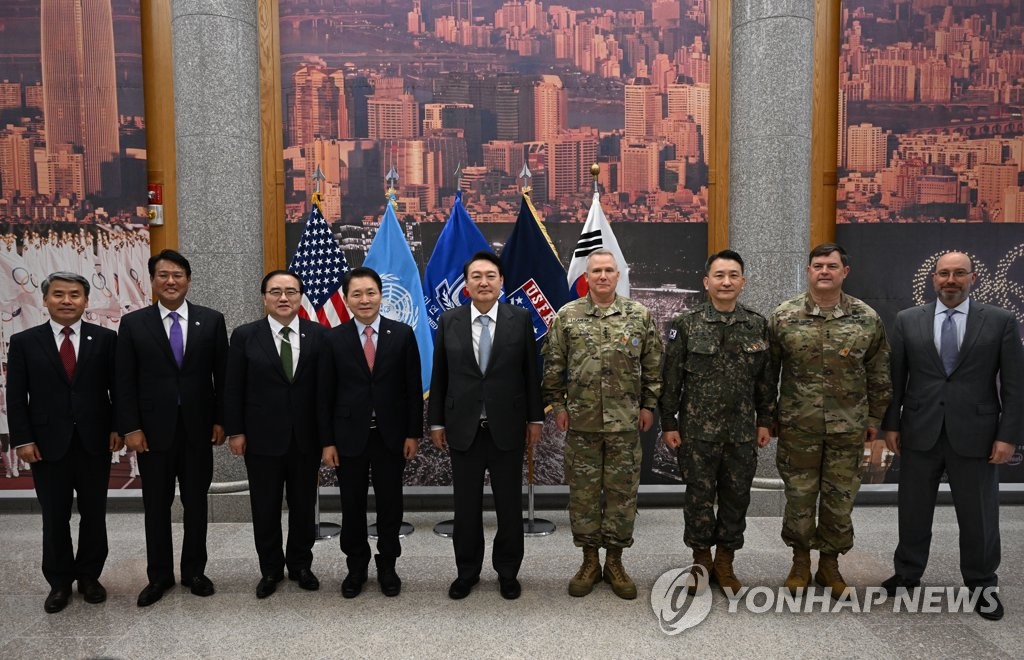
510	389
260	401
967	401
45	407
150	386
350	393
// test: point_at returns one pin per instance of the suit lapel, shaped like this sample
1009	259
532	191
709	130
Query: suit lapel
194	323
926	326
44	334
355	342
85	347
384	340
503	333
975	321
464	334
266	342
155	325
306	340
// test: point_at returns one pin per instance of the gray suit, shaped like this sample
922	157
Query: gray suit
948	423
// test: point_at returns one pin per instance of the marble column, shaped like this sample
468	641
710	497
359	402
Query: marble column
772	69
217	114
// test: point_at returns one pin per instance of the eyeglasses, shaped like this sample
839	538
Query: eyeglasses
958	274
277	293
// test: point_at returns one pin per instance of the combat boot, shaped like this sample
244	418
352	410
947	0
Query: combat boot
615	575
800	574
702	558
828	574
589	574
723	571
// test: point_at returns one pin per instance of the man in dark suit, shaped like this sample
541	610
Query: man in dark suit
171	359
484	403
958	407
371	421
59	380
270	418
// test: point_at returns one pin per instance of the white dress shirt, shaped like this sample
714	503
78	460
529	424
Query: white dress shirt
58	334
165	314
960	320
293	338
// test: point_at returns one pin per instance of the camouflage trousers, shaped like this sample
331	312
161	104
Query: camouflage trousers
825	466
722	471
607	463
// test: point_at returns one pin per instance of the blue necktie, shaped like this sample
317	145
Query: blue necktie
949	348
177	342
485	342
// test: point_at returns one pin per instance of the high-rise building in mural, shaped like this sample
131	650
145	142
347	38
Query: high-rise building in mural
80	88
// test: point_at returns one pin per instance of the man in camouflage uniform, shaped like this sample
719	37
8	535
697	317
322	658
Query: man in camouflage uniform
601	377
834	361
717	376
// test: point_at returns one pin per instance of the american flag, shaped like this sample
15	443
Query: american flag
321	264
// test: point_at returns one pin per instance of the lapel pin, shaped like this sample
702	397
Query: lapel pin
388	332
89	337
302	335
197	322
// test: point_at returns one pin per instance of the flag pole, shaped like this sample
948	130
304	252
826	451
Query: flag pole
324	530
391	195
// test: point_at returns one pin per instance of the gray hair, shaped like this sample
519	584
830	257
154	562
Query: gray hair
64	276
601	252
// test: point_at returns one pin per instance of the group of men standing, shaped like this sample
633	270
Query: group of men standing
289	393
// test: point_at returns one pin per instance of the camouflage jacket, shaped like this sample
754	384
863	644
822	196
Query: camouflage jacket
717	375
602	365
834	368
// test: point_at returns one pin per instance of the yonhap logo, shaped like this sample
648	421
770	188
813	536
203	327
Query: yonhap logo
678	610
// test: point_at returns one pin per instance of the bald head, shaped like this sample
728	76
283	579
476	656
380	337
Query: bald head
953	278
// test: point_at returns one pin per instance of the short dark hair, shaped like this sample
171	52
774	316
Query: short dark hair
361	271
483	255
826	249
275	273
731	255
64	276
174	257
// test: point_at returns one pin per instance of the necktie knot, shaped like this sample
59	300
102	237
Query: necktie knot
951	312
285	331
67	331
368	331
174	316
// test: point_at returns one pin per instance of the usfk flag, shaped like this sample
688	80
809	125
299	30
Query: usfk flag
444	286
597	235
402	293
534	277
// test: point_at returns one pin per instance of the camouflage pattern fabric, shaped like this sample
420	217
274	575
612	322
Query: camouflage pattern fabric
825	465
717	375
602	365
834	365
722	470
596	463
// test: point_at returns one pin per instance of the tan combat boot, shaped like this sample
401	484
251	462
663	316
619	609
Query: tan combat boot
828	574
589	574
800	574
702	558
723	571
615	575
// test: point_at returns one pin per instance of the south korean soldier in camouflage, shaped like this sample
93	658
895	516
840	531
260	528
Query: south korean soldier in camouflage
717	377
832	355
602	377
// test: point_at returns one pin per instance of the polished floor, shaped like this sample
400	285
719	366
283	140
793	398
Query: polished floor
544	623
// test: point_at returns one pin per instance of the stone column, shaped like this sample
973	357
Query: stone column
772	70
217	114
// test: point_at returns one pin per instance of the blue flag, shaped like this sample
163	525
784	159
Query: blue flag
444	286
402	294
534	276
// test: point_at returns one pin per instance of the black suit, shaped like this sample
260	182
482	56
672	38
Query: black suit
277	415
176	408
510	392
350	394
948	423
70	423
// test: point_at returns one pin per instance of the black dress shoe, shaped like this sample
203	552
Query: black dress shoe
305	578
509	588
353	583
268	585
200	585
461	587
92	591
897	581
153	592
988	606
57	600
390	583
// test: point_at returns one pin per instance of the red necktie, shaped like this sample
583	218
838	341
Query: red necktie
67	352
369	350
